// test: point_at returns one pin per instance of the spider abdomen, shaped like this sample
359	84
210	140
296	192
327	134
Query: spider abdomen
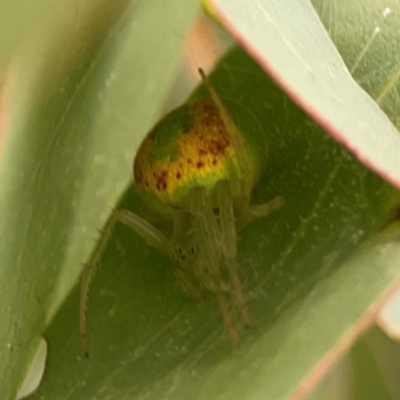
189	147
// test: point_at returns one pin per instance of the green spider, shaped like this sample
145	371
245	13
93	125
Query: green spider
196	168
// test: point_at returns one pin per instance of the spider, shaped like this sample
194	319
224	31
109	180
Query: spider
197	167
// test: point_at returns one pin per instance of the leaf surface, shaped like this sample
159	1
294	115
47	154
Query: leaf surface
291	43
78	97
312	273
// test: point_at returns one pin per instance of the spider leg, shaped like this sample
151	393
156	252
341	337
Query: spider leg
223	305
188	286
242	202
229	240
147	231
209	236
235	138
252	212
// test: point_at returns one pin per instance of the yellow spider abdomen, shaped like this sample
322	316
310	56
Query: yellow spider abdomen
189	147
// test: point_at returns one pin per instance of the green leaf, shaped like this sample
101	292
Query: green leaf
376	362
369	382
311	272
79	96
293	46
17	17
